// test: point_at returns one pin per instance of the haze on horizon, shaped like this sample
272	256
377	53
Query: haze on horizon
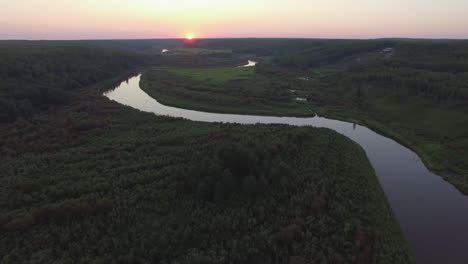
106	19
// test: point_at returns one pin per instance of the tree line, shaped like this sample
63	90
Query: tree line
35	77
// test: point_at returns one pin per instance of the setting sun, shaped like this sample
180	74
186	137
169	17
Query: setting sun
189	36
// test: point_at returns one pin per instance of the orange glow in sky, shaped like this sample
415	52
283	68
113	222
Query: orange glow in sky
92	19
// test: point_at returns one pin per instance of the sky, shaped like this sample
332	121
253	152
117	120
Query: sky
133	19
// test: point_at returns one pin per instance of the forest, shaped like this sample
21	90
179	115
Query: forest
87	180
35	77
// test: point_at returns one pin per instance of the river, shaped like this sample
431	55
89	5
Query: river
433	214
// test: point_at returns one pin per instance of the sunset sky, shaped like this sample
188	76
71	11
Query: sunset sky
103	19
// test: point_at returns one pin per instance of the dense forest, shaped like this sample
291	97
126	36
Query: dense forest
86	180
37	76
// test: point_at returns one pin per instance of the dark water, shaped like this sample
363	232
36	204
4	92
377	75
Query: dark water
432	213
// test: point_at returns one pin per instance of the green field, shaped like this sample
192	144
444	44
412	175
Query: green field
218	74
199	51
249	94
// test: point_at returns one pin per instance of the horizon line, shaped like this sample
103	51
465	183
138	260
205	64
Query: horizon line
214	38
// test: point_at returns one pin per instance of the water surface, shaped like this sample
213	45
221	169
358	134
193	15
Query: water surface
249	64
432	213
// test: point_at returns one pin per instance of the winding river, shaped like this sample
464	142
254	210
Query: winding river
432	213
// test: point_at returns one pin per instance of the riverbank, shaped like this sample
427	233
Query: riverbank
220	92
438	167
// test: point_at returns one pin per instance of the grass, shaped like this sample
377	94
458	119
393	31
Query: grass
220	74
243	96
199	51
438	129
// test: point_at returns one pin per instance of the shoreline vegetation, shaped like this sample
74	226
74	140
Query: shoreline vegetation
444	172
89	180
456	178
322	111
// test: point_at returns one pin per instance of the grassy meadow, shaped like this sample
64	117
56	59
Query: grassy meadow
218	74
